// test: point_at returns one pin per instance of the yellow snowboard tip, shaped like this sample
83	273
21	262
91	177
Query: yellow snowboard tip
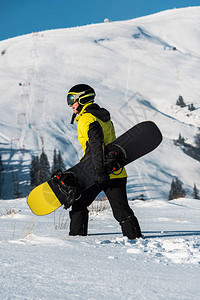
42	200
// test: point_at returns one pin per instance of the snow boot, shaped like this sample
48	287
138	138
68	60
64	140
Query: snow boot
79	222
131	228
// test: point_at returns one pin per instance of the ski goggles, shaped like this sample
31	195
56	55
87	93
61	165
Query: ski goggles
73	97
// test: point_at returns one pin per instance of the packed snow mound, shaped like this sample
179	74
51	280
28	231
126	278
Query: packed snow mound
138	69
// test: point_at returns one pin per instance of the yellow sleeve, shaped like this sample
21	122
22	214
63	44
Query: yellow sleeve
83	127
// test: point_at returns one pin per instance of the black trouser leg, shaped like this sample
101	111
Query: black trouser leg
79	212
122	212
130	228
117	196
78	222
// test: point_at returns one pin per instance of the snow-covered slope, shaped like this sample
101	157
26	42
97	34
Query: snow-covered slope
137	75
40	261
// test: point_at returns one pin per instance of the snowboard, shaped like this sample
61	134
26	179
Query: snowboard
66	187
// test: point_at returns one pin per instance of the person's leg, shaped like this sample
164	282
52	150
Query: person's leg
122	212
79	213
131	228
78	222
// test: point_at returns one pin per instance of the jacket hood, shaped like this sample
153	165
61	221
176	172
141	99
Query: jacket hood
99	112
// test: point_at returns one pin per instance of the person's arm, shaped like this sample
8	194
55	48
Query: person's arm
95	134
96	141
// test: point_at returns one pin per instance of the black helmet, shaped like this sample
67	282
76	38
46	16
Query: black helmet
82	93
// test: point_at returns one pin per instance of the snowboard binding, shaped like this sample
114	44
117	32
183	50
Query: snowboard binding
68	185
115	158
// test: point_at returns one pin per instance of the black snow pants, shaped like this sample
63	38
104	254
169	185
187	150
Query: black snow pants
117	196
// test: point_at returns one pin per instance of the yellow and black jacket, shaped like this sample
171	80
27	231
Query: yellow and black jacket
96	130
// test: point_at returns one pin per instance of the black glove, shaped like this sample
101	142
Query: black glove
102	179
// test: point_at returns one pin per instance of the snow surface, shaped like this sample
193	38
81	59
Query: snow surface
38	260
137	76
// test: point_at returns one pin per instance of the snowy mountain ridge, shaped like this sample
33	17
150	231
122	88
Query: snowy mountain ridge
138	69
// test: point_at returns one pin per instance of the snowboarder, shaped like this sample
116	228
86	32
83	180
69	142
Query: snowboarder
95	130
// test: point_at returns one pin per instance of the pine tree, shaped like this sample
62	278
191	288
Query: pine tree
16	192
180	102
197	140
191	107
55	162
176	190
58	163
44	168
195	192
172	190
34	171
1	173
180	192
1	164
61	164
180	141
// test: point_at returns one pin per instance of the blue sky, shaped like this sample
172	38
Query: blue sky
19	17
